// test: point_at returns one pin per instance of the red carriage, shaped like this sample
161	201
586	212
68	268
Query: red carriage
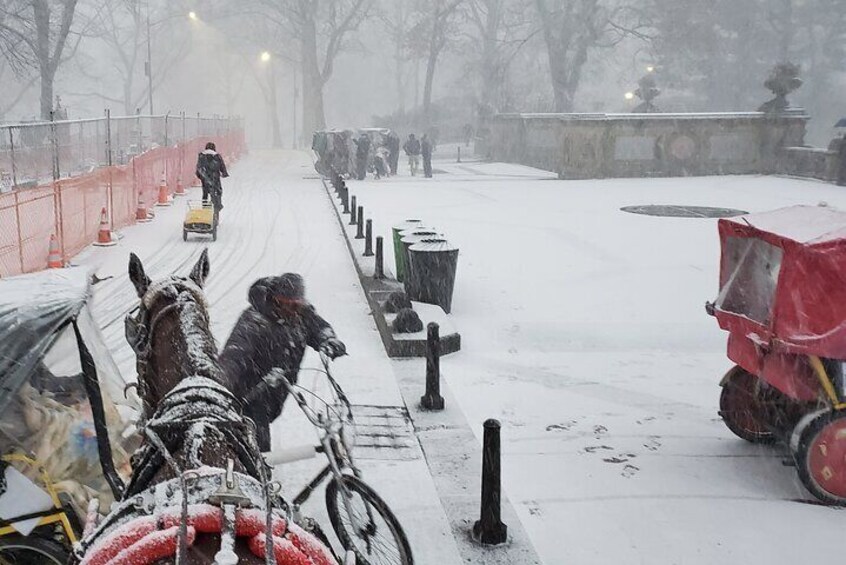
783	301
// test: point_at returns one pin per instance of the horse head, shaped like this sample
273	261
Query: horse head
171	334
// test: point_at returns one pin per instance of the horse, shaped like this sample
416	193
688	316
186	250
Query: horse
200	491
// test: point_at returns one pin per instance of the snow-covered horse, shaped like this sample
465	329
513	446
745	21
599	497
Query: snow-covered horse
200	491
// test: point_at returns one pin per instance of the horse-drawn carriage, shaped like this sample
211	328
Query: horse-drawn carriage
198	490
58	388
783	301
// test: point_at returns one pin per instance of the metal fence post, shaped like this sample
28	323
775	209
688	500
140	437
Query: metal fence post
14	166
379	271
490	530
433	400
109	163
20	234
54	141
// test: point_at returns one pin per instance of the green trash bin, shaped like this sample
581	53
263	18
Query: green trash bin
398	257
432	266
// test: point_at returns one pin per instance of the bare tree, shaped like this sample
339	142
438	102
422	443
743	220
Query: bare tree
498	30
121	25
34	34
572	29
322	29
396	17
435	28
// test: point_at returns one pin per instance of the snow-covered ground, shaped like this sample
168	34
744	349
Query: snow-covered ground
583	331
277	218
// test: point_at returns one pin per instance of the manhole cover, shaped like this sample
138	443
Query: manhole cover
384	432
673	211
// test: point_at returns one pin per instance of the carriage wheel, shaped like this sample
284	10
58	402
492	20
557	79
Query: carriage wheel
821	457
741	409
184	235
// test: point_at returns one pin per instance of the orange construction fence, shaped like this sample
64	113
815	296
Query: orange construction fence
71	208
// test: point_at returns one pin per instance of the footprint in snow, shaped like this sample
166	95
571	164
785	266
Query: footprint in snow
565	426
653	444
644	420
595	448
599	430
621	458
629	471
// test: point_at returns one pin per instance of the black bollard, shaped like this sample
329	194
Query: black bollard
359	234
490	530
433	400
368	239
345	201
379	272
459	155
352	211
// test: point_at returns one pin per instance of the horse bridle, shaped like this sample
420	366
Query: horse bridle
140	329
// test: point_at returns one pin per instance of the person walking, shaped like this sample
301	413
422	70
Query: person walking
393	149
210	169
426	152
412	149
273	332
362	153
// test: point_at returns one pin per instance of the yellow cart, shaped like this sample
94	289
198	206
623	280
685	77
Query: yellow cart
202	218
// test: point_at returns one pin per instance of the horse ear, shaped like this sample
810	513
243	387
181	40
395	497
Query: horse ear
200	272
137	275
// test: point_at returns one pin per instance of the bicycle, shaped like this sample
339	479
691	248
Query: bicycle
363	522
57	526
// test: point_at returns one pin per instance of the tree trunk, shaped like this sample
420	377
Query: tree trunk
273	107
46	94
490	56
314	118
399	60
434	51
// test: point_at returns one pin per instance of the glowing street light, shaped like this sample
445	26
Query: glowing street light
193	16
629	95
650	69
265	56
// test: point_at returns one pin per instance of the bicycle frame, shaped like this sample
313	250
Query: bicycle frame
57	514
332	443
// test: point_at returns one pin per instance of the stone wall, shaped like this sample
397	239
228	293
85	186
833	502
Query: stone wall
582	146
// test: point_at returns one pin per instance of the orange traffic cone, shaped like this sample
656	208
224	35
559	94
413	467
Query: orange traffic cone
141	213
104	235
180	190
54	258
163	200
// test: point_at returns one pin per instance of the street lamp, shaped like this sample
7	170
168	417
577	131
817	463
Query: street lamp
265	56
629	95
650	68
192	16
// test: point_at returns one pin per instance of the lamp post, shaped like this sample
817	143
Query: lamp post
267	59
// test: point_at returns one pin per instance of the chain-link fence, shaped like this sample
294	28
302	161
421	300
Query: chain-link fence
56	177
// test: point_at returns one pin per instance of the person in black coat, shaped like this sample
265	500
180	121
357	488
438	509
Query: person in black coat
273	332
394	149
210	169
412	149
426	152
362	153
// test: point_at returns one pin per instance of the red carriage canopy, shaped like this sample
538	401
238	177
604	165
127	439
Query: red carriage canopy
783	289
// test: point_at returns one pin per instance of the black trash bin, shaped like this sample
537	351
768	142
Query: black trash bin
432	266
407	239
398	252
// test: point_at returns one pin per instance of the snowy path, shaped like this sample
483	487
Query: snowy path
277	218
584	331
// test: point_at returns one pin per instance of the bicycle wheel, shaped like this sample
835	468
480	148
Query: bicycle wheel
380	540
31	550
